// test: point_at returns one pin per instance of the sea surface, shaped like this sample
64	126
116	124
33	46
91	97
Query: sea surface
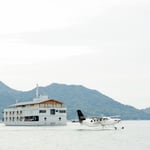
134	136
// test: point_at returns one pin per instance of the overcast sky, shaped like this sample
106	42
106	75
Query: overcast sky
101	44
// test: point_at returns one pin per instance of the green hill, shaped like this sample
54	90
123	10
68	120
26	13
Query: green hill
147	110
91	102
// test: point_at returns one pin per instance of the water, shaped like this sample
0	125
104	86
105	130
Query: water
135	136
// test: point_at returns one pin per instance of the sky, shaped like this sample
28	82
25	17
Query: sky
100	44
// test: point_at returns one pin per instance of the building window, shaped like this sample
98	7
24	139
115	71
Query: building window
31	118
49	105
17	118
42	111
62	111
52	111
21	118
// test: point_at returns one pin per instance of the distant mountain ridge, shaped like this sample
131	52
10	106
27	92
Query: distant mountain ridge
91	102
147	110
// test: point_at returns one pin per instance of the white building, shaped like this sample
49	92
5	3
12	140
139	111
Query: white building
42	111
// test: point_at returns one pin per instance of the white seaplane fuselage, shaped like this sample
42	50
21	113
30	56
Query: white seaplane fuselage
104	121
97	121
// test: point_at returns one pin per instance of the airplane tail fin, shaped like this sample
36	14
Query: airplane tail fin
80	116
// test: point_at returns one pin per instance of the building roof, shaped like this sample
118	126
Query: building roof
51	101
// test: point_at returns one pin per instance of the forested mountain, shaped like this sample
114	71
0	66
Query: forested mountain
91	102
147	110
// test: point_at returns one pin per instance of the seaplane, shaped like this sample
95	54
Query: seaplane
98	121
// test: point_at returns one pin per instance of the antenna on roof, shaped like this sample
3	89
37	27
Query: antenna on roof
39	97
37	91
